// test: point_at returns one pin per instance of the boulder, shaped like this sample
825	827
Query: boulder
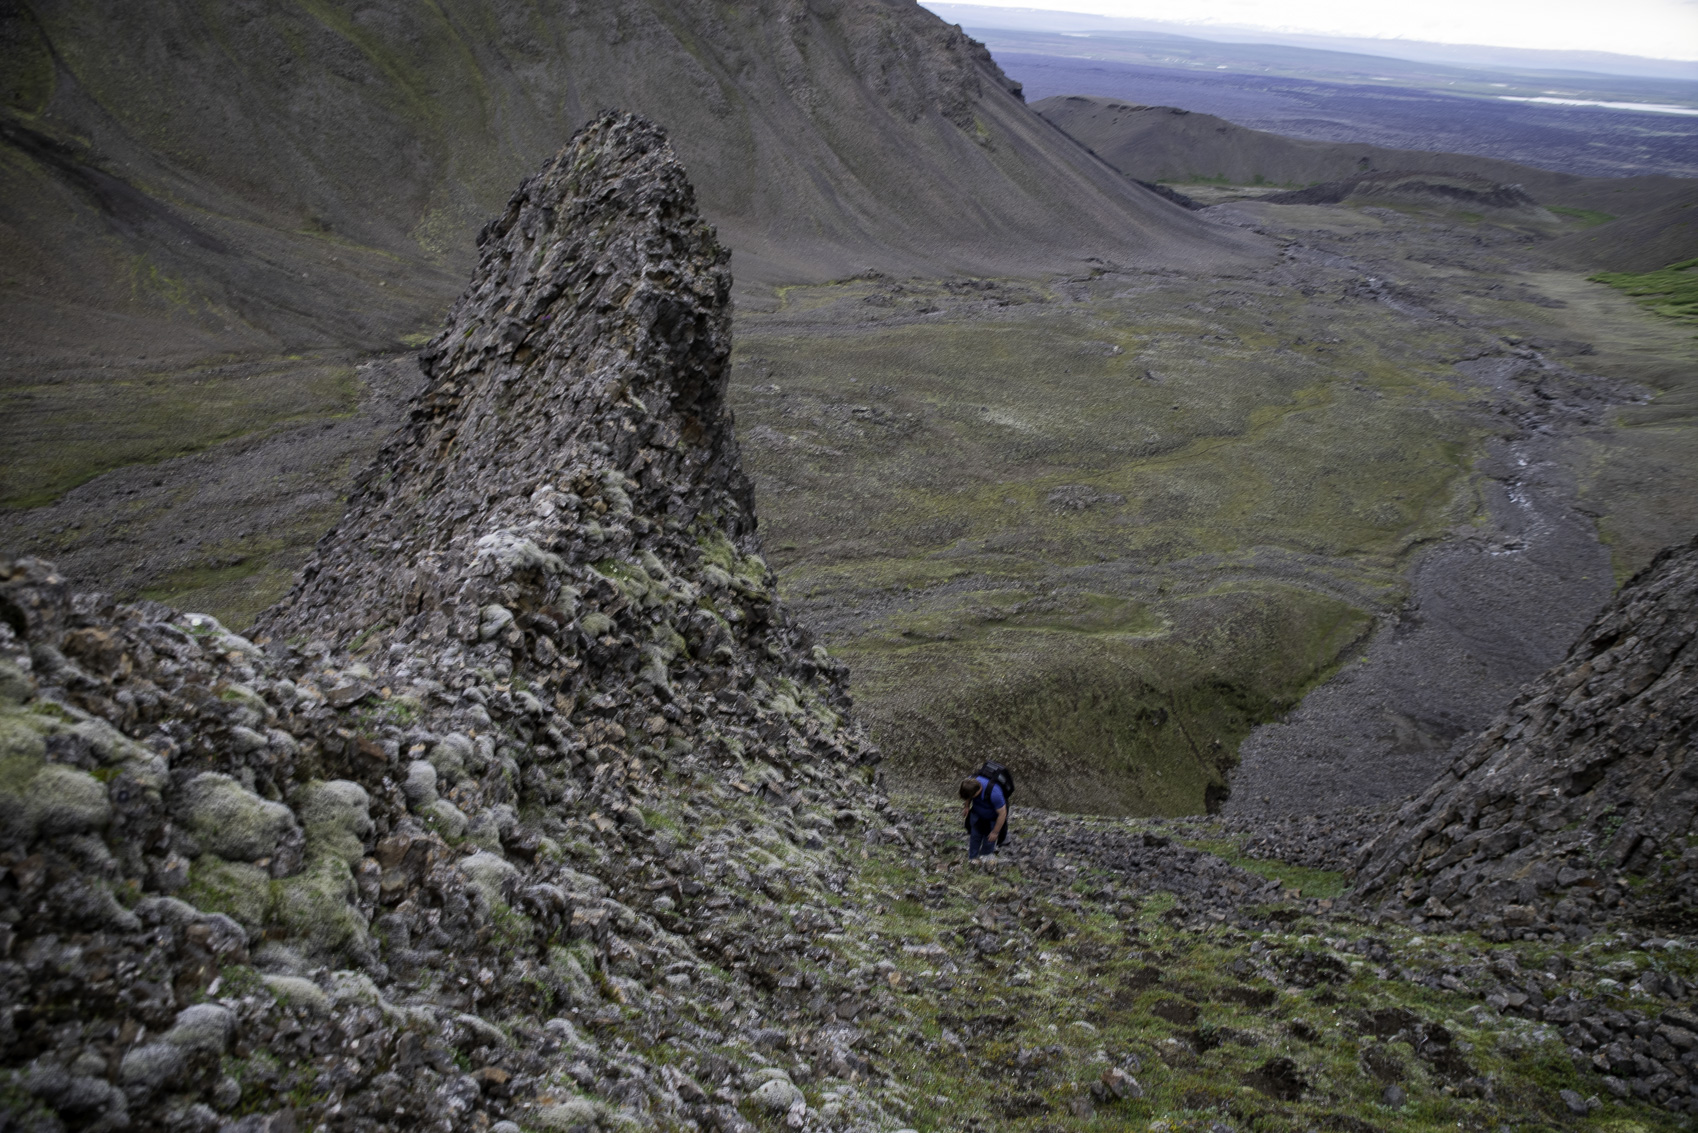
337	818
204	1027
777	1095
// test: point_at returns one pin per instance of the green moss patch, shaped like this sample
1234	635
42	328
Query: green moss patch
1672	291
57	435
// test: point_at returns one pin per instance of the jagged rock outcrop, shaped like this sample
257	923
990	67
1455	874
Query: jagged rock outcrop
575	413
1579	802
507	788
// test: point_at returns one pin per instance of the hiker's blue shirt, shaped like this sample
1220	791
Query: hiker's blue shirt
988	801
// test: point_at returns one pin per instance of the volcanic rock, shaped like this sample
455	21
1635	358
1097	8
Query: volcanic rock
1586	779
446	802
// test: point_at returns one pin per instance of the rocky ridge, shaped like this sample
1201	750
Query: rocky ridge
1578	804
361	871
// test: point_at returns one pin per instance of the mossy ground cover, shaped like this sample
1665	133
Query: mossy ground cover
241	577
1285	1017
1102	528
1672	291
57	435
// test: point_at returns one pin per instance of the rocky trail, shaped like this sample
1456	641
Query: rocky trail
1177	973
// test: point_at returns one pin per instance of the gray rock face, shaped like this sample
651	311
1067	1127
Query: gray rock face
576	409
1589	776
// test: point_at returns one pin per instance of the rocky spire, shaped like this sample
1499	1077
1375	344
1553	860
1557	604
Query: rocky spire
1591	775
541	635
575	409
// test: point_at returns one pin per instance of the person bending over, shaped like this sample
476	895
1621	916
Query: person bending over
984	809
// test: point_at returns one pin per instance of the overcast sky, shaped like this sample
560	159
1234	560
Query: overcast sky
1659	29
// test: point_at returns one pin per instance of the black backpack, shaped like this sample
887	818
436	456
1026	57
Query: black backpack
999	776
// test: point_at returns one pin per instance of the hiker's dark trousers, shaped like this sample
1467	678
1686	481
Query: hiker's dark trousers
979	844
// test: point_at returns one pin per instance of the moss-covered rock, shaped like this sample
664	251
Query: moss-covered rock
449	820
317	908
450	756
16	686
238	889
489	872
337	818
564	964
298	991
575	1114
231	821
39	799
64	800
420	784
21	737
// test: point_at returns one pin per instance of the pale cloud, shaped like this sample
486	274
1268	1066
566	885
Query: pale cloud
1664	29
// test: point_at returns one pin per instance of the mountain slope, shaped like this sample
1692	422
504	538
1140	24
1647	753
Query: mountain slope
1163	143
260	178
1582	796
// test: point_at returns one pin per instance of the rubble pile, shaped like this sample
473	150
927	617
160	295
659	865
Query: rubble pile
1577	806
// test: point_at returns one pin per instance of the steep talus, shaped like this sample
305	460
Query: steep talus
511	789
1582	796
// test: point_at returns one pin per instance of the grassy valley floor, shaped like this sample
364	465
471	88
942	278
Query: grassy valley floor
1105	527
1102	527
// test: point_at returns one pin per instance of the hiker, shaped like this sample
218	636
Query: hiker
985	810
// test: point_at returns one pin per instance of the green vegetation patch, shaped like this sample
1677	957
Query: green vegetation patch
1588	218
57	435
234	586
1671	291
1006	1001
1304	881
1143	716
1104	535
